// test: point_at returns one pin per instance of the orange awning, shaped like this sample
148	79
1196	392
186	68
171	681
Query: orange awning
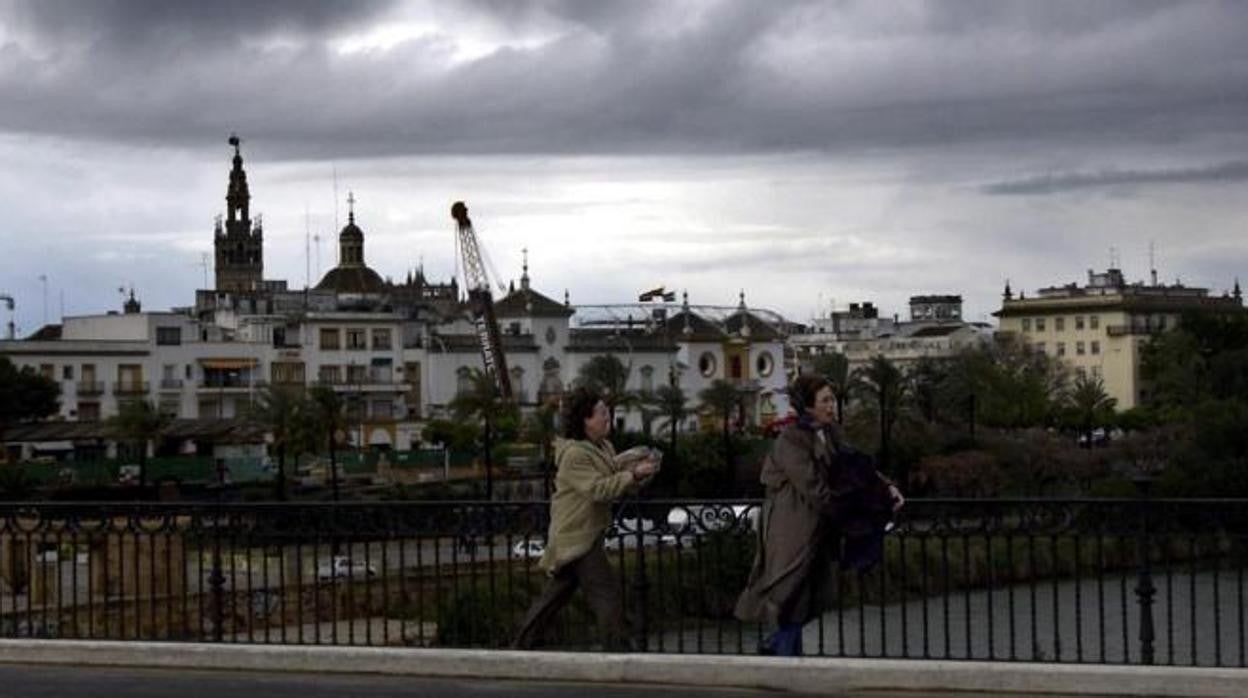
227	364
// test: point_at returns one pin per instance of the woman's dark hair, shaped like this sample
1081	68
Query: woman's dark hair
578	406
803	391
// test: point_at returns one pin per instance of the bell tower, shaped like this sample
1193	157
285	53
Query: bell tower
238	243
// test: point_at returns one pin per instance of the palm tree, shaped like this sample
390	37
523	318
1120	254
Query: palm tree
482	401
540	427
671	404
927	379
834	368
722	399
329	415
883	383
1091	404
139	422
282	411
607	375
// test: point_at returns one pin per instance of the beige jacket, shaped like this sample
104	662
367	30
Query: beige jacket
588	479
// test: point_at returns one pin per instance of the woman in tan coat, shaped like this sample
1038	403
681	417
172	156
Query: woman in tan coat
588	479
806	493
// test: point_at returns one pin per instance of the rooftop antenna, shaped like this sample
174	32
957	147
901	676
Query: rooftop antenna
203	262
1152	260
307	248
43	278
317	239
335	196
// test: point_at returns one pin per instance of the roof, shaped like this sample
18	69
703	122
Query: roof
526	302
936	331
352	280
45	334
468	343
608	341
218	430
701	330
760	330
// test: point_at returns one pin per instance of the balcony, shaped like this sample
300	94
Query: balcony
130	388
229	386
90	388
171	384
1124	330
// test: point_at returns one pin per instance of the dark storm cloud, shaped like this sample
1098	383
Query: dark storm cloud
1057	183
625	77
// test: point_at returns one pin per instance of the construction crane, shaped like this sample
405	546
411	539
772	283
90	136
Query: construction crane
481	302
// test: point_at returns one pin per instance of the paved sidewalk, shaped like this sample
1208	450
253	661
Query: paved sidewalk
816	676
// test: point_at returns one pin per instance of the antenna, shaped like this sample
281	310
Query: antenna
307	248
1152	260
317	239
44	279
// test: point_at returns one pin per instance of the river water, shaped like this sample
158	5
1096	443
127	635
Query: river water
1199	619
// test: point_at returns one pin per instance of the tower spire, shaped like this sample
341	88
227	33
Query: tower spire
350	207
524	277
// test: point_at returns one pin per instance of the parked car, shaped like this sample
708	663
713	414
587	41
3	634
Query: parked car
529	549
343	567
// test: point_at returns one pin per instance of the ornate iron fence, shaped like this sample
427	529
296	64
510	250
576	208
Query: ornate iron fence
1101	581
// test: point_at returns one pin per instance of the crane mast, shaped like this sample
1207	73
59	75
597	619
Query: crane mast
481	302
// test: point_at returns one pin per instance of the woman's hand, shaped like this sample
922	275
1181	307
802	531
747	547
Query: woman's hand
898	500
644	469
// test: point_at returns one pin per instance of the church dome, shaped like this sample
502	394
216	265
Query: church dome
352	280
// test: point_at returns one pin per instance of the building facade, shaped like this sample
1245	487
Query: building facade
1101	328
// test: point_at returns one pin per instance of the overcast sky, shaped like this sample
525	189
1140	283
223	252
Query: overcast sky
808	153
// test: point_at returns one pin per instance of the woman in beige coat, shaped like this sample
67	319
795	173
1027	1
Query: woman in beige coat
806	492
588	479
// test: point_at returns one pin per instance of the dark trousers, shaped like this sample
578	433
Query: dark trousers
592	573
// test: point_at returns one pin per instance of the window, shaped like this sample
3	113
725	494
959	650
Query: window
1094	321
67	372
1096	346
647	379
1081	372
1040	347
463	380
331	375
168	336
329	338
1061	348
1078	322
1059	324
1080	348
1161	323
1026	324
356	339
286	372
382	409
357	374
88	411
47	371
1039	324
706	364
1096	371
170	406
765	364
381	339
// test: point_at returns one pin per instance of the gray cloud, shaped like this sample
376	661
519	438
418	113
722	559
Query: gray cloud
1074	181
626	78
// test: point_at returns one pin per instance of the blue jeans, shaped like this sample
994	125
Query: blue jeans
786	641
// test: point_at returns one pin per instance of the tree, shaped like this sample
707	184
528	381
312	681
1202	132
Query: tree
670	403
927	378
540	428
482	402
328	412
722	399
834	368
139	422
882	384
283	413
607	375
1092	406
25	395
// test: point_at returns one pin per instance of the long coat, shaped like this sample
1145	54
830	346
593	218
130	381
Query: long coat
797	542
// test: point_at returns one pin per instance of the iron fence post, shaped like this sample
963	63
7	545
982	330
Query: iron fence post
1144	589
641	586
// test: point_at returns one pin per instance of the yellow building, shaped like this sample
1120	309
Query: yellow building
1100	329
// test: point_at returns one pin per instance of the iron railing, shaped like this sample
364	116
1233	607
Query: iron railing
1082	581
